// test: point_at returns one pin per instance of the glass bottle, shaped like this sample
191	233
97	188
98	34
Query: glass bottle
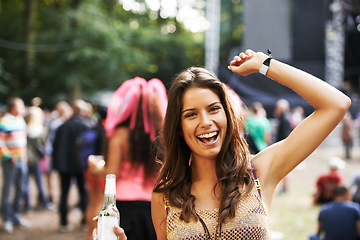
109	215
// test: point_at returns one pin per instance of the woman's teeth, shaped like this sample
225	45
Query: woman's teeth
207	135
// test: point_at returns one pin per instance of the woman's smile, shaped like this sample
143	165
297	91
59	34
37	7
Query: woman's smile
209	138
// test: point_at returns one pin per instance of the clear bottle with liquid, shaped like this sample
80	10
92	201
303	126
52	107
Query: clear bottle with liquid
109	215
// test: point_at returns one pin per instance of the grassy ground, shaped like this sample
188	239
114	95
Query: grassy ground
292	214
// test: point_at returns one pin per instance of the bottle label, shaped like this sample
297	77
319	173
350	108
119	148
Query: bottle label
106	228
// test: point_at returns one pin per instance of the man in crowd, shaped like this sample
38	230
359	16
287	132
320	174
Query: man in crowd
340	219
66	160
14	162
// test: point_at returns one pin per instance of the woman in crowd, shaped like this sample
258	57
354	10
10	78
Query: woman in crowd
209	184
36	135
134	119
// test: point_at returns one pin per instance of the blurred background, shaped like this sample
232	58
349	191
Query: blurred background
68	49
54	50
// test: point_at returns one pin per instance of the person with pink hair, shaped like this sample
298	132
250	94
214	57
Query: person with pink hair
134	119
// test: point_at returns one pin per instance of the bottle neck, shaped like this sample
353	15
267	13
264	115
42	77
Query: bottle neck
110	190
109	199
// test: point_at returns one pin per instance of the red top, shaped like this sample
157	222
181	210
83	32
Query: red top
326	185
131	184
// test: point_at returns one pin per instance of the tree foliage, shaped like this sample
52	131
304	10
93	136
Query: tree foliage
66	49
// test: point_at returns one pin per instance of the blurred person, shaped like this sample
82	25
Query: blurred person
47	117
282	114
357	123
347	136
134	119
93	142
241	109
2	110
340	219
67	162
326	183
62	113
90	113
258	126
296	116
252	146
14	162
36	135
355	188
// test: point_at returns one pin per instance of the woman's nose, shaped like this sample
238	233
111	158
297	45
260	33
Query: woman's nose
205	120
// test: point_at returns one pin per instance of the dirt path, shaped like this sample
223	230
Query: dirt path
45	224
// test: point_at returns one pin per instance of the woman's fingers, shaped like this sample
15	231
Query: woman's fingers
249	52
245	63
241	58
94	234
120	232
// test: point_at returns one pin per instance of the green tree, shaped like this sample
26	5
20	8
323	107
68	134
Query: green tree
231	29
65	49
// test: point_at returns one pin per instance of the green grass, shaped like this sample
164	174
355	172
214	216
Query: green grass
293	215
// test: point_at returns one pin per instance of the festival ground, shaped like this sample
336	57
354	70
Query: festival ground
292	215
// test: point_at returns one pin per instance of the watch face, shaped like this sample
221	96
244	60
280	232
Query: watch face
263	69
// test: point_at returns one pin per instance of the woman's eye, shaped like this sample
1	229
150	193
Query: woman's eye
189	115
213	109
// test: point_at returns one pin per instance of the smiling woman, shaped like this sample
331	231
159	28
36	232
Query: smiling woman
209	184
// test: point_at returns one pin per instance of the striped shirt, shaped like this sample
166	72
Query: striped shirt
13	141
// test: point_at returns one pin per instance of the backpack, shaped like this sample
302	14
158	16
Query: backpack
87	145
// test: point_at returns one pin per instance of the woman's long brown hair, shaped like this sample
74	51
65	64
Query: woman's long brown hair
232	163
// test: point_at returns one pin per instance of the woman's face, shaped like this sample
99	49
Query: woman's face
203	122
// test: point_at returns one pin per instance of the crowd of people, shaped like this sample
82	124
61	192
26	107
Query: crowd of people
36	144
189	163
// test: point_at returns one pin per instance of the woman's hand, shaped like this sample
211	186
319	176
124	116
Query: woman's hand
95	163
247	62
117	230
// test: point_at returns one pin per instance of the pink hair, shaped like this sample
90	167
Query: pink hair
125	101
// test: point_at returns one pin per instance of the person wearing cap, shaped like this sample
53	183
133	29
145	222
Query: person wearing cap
326	184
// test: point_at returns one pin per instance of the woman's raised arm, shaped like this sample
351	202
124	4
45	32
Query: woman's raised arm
330	105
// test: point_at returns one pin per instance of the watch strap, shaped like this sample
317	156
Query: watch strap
266	64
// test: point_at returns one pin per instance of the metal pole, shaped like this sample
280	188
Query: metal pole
212	35
335	46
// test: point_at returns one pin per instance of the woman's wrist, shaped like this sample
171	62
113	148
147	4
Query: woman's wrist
266	64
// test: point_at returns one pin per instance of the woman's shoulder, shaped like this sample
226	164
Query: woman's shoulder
158	198
121	130
121	134
159	205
